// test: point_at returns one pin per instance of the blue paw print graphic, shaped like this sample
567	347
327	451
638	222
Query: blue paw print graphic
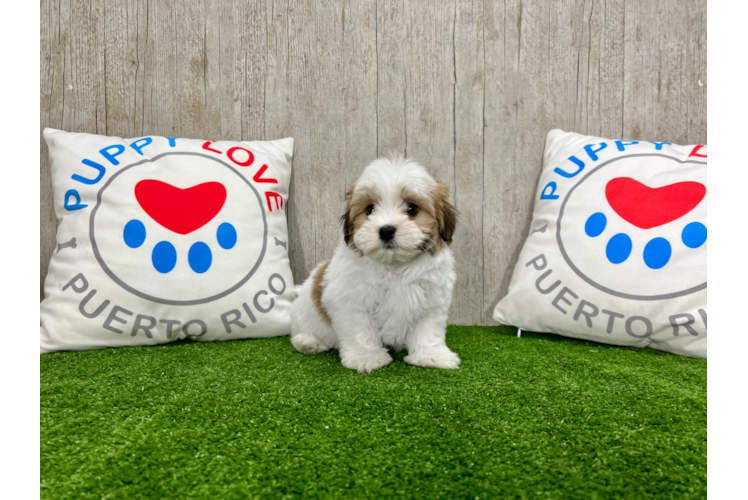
164	255
657	251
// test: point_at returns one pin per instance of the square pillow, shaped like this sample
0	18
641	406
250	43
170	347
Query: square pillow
616	251
161	239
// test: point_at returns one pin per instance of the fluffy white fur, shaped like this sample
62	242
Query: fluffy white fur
377	294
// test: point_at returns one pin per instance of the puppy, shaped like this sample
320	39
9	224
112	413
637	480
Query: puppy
389	282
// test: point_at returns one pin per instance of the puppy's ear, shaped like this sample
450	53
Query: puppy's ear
446	214
345	219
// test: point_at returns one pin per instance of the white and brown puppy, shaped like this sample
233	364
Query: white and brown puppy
389	282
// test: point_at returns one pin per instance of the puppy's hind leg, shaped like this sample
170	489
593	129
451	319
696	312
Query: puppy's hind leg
310	332
308	344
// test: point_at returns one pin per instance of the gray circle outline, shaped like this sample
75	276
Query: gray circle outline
142	295
579	273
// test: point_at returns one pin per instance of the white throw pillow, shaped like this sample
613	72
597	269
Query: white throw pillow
617	246
160	239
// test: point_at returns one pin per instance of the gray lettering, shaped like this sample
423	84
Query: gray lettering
541	278
272	288
113	317
611	319
280	243
80	288
702	313
249	313
534	262
170	323
203	327
687	325
257	302
140	326
234	321
588	315
82	305
647	325
560	298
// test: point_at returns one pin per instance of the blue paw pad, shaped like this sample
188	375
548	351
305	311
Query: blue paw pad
134	233
618	248
694	235
595	224
657	253
164	257
226	236
200	257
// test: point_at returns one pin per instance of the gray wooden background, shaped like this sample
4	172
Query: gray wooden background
469	89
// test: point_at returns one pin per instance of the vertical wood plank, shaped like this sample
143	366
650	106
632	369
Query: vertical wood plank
430	87
393	56
196	97
586	69
252	74
227	17
610	70
123	68
566	20
160	103
517	62
52	47
665	61
467	302
696	77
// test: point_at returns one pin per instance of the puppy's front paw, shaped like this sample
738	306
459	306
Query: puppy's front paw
368	362
445	359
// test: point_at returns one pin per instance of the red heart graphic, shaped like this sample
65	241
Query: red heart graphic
647	207
180	210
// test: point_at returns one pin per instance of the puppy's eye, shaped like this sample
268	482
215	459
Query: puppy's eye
369	209
412	209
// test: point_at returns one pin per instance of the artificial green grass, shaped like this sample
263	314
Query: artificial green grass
533	417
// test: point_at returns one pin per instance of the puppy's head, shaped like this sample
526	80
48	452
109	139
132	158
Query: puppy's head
396	211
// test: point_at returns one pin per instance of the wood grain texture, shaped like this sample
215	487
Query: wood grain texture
468	165
468	88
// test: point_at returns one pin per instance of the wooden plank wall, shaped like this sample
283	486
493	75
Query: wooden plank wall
469	89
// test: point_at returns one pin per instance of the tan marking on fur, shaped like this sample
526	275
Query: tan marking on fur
345	219
446	214
436	217
355	215
426	203
317	289
360	199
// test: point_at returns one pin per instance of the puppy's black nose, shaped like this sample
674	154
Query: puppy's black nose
386	233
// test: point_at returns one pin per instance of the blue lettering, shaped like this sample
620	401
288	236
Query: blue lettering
172	141
75	206
579	163
140	144
593	152
549	192
95	165
658	145
112	157
622	144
